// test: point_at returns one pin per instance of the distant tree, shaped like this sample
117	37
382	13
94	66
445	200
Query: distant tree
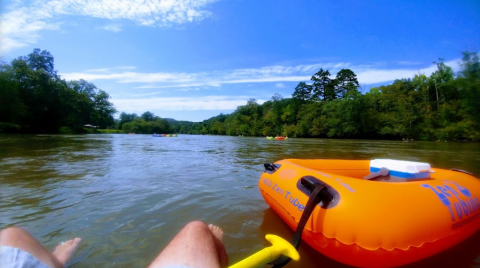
34	99
303	92
470	84
323	86
346	82
103	110
40	60
443	82
79	97
310	120
12	109
277	97
148	116
125	118
422	85
83	87
39	88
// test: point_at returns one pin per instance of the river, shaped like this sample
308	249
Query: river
126	196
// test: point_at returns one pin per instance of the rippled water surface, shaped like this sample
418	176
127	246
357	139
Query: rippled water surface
128	195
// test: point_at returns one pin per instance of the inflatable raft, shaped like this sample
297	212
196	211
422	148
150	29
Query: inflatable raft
278	138
379	213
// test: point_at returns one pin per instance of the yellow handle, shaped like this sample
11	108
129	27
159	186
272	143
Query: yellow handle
279	247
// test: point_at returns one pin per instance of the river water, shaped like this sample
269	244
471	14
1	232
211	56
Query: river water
126	196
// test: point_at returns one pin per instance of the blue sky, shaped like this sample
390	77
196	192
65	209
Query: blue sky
194	59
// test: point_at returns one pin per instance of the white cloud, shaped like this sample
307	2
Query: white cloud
408	63
111	27
132	77
180	103
366	74
190	89
285	70
110	70
22	25
143	99
373	75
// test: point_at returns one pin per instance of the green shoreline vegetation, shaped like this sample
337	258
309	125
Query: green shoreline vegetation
443	106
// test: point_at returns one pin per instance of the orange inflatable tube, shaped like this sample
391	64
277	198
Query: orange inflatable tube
376	219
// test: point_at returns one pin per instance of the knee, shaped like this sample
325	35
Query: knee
11	234
196	226
11	231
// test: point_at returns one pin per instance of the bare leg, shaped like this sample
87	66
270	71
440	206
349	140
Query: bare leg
18	238
218	238
196	245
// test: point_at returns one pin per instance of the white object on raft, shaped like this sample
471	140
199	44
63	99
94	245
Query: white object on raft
402	169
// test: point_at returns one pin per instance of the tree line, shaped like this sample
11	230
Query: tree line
35	99
442	106
146	123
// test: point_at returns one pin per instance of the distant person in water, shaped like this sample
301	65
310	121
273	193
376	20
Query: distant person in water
195	246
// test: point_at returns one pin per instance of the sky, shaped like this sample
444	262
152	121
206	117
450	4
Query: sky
194	59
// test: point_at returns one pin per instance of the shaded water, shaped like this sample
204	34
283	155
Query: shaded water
128	195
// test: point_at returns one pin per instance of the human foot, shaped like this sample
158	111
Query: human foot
217	232
65	250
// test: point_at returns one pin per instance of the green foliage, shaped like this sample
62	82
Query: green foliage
125	118
303	92
35	98
346	83
110	131
9	127
148	116
12	109
140	125
436	107
66	130
103	110
442	106
470	85
323	86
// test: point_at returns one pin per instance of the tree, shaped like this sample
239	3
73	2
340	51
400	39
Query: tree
470	85
277	97
79	97
398	109
303	92
12	109
346	82
83	87
125	118
103	110
41	60
33	98
424	109
442	79
39	88
148	116
323	86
